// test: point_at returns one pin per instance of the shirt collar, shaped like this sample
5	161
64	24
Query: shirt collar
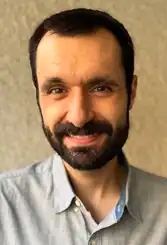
132	202
64	194
134	199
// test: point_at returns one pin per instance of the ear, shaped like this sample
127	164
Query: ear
133	91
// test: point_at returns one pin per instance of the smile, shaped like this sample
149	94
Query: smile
82	140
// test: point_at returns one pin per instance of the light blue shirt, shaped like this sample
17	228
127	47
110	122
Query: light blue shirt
39	207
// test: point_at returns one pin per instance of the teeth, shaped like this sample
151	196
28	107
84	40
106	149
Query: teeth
81	136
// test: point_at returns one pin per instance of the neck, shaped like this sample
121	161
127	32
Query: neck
100	184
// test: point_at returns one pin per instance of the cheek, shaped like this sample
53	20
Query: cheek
114	110
122	108
52	112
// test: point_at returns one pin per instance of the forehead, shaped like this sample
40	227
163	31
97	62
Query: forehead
81	55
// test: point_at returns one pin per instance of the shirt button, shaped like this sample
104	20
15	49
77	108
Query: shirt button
93	242
76	209
77	203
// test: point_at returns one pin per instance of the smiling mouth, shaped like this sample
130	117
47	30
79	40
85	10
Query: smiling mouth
80	136
82	139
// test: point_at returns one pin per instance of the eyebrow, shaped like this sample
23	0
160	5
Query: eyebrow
99	80
50	82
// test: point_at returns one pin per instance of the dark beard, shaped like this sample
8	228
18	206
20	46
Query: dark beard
88	158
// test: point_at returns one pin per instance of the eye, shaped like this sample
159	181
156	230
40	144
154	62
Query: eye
102	89
56	91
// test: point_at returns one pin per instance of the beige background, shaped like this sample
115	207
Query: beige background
21	138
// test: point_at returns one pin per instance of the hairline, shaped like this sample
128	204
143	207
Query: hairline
88	33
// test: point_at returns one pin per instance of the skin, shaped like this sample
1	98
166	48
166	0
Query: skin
78	60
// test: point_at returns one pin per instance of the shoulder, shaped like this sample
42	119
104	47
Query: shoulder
148	186
20	177
142	177
147	198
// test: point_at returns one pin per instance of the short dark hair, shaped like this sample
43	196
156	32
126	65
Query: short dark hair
84	21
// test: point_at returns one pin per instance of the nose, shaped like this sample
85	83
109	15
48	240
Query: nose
79	110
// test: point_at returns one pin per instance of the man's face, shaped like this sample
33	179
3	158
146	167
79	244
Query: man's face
82	97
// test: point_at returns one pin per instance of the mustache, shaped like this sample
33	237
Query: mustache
89	128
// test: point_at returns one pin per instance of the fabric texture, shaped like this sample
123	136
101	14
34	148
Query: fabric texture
38	206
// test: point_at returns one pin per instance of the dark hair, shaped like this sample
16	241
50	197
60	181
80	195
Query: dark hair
84	21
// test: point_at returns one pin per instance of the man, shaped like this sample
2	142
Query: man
82	65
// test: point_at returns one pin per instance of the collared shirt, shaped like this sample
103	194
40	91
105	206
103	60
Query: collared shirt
116	213
38	206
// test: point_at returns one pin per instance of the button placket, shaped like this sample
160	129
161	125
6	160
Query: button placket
93	242
77	203
77	206
76	210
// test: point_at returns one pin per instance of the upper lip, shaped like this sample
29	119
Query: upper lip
81	134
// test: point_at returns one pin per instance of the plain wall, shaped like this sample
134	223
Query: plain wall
21	139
